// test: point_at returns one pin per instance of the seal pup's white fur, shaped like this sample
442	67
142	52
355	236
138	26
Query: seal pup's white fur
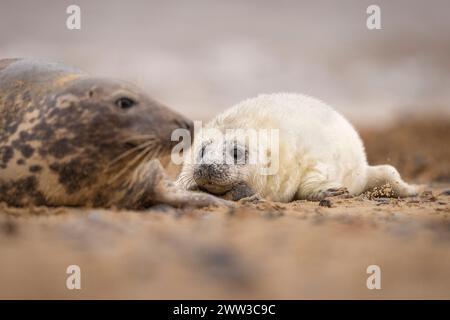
320	153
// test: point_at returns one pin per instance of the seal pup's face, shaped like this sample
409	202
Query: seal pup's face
220	165
233	163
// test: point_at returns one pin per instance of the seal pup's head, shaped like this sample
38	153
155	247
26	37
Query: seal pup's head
224	162
221	164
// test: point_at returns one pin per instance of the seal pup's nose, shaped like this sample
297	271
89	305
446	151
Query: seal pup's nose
211	172
212	177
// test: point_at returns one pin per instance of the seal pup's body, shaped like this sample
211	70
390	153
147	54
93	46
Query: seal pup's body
70	139
320	154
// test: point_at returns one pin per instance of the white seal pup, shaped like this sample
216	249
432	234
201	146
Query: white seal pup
318	153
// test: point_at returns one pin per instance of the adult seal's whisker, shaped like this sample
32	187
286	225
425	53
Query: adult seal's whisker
137	138
131	151
132	163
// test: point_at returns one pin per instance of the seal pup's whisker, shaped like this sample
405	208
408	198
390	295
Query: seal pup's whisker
185	181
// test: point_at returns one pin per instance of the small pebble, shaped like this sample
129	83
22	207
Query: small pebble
325	203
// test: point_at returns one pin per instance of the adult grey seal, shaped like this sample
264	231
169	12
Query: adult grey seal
69	139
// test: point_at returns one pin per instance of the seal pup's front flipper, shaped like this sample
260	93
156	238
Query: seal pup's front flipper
151	186
240	191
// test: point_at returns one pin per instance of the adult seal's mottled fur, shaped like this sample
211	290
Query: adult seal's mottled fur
70	139
320	154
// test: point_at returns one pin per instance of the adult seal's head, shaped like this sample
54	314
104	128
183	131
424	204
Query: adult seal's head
67	138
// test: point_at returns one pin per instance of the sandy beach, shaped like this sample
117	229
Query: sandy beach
263	250
200	58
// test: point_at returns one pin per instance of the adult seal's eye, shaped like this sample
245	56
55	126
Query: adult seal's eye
125	103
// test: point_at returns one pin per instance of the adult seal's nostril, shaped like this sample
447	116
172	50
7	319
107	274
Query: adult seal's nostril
181	123
190	127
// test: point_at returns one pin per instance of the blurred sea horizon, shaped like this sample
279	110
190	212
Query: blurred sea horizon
201	57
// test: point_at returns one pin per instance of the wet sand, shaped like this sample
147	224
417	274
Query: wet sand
266	250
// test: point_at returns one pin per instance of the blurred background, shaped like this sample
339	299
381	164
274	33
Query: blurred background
200	57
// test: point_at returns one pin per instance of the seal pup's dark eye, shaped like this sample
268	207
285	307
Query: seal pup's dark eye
202	151
125	103
238	155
